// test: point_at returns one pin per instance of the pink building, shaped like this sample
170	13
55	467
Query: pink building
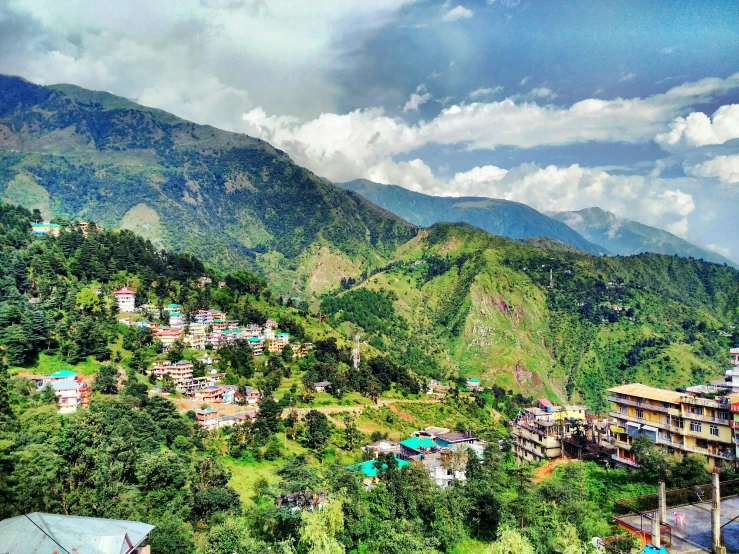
126	299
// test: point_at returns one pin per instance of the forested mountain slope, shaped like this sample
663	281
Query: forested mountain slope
228	198
497	217
459	301
626	237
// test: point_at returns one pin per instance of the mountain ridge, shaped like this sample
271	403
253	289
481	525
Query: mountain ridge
626	237
498	217
232	199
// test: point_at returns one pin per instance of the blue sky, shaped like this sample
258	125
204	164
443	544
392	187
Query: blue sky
630	106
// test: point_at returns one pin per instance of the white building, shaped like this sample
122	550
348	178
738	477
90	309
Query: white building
732	375
68	395
126	299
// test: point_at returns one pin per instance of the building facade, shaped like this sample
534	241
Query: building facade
695	421
126	300
537	432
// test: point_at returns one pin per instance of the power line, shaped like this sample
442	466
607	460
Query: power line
40	529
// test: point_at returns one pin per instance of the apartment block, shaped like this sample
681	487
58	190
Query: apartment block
537	432
694	420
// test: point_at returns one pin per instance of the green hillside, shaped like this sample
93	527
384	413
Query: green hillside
459	302
497	217
626	237
230	199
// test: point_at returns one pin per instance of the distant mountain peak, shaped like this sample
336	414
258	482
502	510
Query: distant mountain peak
626	237
498	217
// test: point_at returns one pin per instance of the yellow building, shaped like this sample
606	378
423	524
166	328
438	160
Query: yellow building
695	421
537	432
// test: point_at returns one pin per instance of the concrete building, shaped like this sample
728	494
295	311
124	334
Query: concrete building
207	418
70	395
694	421
537	432
126	300
179	371
45	228
732	375
167	337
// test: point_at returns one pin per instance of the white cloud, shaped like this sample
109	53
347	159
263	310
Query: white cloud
627	77
525	80
485	92
538	93
697	129
724	168
455	14
726	252
417	99
208	60
344	147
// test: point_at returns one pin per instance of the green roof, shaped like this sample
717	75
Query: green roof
283	334
64	373
173	305
473	380
369	469
418	442
44	225
255	339
175	314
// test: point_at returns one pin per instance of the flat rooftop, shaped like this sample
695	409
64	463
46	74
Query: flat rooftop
695	536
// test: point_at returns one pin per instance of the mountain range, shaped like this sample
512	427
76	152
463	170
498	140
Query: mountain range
450	300
626	237
497	217
233	200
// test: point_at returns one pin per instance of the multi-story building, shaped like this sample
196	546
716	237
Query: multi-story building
45	228
176	320
537	432
166	337
257	345
126	300
179	371
693	421
207	418
732	375
70	395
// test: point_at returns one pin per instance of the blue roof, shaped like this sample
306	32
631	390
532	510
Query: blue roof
415	443
369	468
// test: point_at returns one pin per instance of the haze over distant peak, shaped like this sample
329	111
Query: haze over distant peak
626	237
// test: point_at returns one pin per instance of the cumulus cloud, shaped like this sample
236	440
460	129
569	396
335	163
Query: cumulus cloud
697	129
417	99
455	14
723	168
208	60
658	202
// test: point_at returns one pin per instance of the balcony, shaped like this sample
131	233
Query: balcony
621	444
697	401
706	452
643	405
626	461
707	419
659	425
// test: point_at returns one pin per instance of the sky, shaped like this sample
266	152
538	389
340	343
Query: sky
561	104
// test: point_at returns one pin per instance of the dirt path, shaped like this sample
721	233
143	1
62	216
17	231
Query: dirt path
541	473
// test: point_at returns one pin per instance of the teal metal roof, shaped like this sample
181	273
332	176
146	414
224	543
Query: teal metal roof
370	470
64	373
418	442
255	339
29	534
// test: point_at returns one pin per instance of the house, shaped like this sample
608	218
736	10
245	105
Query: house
435	386
207	418
271	323
229	393
322	386
125	321
473	384
269	333
166	337
448	439
431	431
210	393
370	470
42	380
257	345
416	447
68	394
126	300
179	371
251	396
45	228
175	320
383	447
29	534
305	348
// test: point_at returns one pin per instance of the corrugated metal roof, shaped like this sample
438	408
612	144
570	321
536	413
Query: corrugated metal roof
86	535
643	391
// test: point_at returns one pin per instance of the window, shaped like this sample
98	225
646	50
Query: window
723	415
714	430
640	414
623	410
695	427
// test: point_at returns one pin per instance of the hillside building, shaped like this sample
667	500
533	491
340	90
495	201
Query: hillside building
179	371
45	228
697	420
126	300
538	432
